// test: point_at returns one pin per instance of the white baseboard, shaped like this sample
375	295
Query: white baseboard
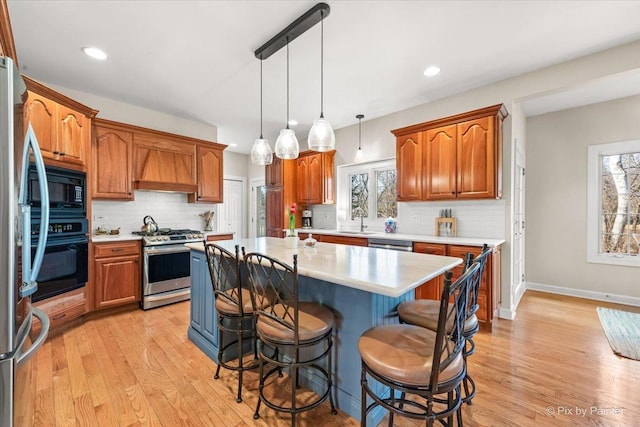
504	313
581	293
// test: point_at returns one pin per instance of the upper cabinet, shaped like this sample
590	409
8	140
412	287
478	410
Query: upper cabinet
111	149
280	179
457	157
315	178
61	125
209	175
127	157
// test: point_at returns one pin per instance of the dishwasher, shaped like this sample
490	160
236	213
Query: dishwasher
391	244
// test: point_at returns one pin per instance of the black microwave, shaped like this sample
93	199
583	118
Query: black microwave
67	192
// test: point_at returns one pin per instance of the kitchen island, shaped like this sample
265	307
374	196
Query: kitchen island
361	285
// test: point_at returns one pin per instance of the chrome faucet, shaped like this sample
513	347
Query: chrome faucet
361	212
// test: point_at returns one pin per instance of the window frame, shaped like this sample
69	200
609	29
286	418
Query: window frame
594	202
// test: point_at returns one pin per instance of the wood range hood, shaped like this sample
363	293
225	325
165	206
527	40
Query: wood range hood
163	169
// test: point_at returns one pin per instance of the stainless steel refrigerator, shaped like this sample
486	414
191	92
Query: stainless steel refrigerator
19	264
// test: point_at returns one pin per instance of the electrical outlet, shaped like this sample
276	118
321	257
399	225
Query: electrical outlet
415	219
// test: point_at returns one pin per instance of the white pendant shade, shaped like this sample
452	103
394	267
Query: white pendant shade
261	153
287	145
321	136
359	156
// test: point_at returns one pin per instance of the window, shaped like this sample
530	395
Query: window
367	190
613	215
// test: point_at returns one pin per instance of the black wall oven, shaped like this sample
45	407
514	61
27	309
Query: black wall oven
65	264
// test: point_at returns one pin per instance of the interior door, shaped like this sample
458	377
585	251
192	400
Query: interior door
231	212
518	229
258	208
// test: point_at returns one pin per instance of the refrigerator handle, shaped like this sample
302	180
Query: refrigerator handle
22	358
29	272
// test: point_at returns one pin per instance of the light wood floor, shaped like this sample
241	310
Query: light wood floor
135	368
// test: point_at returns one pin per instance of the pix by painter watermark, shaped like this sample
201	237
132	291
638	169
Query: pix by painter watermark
584	411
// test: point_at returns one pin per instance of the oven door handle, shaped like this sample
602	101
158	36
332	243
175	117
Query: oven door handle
165	251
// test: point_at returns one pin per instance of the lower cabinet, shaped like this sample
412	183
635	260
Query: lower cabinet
216	237
117	273
342	240
203	330
489	292
62	308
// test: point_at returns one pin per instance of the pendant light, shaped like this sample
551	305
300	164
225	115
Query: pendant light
287	144
359	154
321	136
261	153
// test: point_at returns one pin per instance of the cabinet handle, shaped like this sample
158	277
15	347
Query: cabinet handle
135	260
56	152
58	316
117	250
62	154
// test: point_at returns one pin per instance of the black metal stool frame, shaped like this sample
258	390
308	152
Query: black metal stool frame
225	271
450	342
268	278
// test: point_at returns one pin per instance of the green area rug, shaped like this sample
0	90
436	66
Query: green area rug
622	329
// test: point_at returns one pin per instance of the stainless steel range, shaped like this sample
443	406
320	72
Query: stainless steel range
166	267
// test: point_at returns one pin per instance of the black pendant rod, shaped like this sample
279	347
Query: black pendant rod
287	85
321	65
360	117
295	29
261	100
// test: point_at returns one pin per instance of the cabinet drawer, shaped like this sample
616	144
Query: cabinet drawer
343	240
216	237
430	248
103	250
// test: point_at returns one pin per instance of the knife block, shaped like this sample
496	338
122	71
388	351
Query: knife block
449	224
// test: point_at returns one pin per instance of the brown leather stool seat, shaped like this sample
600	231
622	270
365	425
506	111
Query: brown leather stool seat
404	353
231	306
315	321
424	313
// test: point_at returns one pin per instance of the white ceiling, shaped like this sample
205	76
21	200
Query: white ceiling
194	59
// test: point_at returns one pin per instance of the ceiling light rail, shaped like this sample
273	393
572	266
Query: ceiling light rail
295	29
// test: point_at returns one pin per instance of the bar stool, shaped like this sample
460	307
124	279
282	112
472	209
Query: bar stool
425	313
234	309
297	334
418	362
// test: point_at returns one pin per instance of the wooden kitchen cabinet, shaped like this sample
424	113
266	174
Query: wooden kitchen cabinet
342	240
209	175
111	151
433	288
315	176
62	125
409	167
489	292
117	273
217	237
456	157
280	177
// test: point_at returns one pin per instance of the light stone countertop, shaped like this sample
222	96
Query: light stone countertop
101	238
379	271
465	241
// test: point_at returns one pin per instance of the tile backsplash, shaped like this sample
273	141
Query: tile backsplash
169	210
475	218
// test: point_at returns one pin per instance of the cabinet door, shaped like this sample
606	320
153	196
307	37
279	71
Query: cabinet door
433	288
409	166
328	175
273	172
315	179
274	212
117	281
209	172
439	167
476	159
302	175
111	151
73	135
41	113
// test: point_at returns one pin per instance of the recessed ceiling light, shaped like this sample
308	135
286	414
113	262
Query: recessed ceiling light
95	53
292	122
431	71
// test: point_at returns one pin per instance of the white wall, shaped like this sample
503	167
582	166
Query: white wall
557	196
